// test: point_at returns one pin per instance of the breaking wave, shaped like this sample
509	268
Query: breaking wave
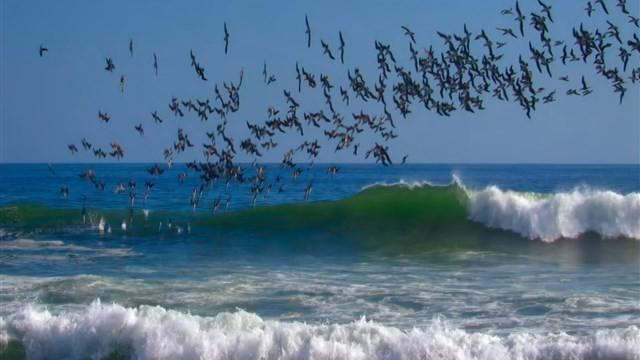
113	331
421	208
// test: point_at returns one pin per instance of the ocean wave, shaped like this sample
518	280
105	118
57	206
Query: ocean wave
558	215
111	330
547	217
421	209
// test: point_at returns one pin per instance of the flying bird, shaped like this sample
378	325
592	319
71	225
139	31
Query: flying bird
155	63
226	38
42	50
341	47
326	50
308	30
409	33
109	67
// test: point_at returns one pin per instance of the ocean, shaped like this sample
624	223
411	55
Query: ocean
400	262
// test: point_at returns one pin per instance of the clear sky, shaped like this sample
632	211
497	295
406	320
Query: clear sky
49	102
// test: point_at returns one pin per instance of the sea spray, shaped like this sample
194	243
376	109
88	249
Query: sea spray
146	332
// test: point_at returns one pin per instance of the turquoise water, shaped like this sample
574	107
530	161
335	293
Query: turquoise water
450	261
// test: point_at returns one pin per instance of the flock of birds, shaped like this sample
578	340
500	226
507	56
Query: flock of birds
456	78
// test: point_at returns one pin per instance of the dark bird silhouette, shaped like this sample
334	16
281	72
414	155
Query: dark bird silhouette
307	31
131	47
549	98
42	50
226	38
85	144
104	117
72	148
622	4
155	170
139	129
409	33
520	19
634	20
603	5
298	77
341	47
326	50
155	63
156	117
109	67
589	9
507	31
546	9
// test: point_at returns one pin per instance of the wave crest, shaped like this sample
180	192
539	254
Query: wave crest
102	330
558	215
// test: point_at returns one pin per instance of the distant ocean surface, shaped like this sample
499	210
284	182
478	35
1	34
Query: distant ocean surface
405	262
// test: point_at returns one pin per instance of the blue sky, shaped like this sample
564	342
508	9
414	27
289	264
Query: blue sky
47	103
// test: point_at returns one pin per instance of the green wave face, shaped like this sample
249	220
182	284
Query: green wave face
379	208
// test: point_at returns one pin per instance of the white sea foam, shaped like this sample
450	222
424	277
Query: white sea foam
558	215
30	244
401	183
155	333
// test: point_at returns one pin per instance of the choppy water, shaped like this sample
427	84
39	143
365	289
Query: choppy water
419	261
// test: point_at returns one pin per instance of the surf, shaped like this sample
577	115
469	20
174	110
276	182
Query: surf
151	332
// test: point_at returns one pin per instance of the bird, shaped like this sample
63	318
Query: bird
622	4
42	50
589	9
603	5
409	33
520	18
226	38
122	83
307	31
341	47
326	50
155	170
546	9
156	117
72	148
131	47
507	31
549	97
110	66
139	129
155	63
104	117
